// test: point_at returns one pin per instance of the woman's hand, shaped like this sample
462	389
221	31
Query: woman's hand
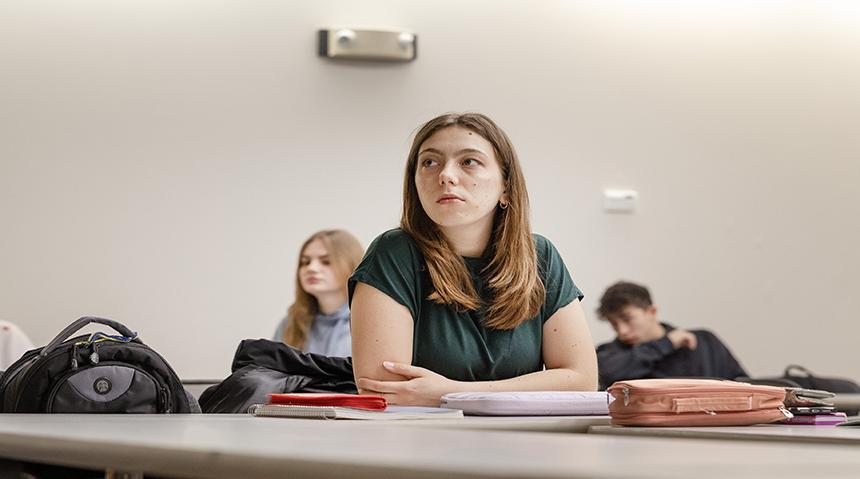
422	388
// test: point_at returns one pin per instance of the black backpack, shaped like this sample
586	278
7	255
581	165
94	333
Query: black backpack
806	379
93	373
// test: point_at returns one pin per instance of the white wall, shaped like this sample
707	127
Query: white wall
161	161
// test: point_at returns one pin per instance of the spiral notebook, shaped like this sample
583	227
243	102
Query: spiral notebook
337	412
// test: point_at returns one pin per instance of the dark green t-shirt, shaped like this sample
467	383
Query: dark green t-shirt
456	344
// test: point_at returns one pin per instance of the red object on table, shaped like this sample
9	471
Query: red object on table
371	403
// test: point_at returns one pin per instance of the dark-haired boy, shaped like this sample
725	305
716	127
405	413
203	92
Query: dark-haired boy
647	348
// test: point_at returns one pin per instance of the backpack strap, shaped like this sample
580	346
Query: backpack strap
794	368
80	323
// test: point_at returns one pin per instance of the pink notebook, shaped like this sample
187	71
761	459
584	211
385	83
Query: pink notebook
830	419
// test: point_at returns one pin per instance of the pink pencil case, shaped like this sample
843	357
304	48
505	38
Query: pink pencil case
694	402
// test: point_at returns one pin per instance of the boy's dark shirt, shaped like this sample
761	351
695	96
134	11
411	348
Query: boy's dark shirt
659	359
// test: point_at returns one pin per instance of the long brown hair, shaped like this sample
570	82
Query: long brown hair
345	252
517	291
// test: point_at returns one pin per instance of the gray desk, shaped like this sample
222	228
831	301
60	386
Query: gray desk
241	446
849	436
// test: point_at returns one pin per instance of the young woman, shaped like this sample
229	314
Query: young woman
318	321
462	297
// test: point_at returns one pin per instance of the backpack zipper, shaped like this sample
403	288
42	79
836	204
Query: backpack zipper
30	372
15	368
165	399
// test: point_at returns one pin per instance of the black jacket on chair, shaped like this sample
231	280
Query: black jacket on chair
261	367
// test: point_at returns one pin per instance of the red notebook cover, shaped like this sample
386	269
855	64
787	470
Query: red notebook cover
372	403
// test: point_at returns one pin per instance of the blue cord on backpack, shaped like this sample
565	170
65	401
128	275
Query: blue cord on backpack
95	339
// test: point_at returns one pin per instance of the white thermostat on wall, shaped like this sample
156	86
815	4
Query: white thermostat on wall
367	44
619	201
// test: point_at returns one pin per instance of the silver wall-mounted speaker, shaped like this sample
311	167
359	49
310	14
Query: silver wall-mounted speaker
367	44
